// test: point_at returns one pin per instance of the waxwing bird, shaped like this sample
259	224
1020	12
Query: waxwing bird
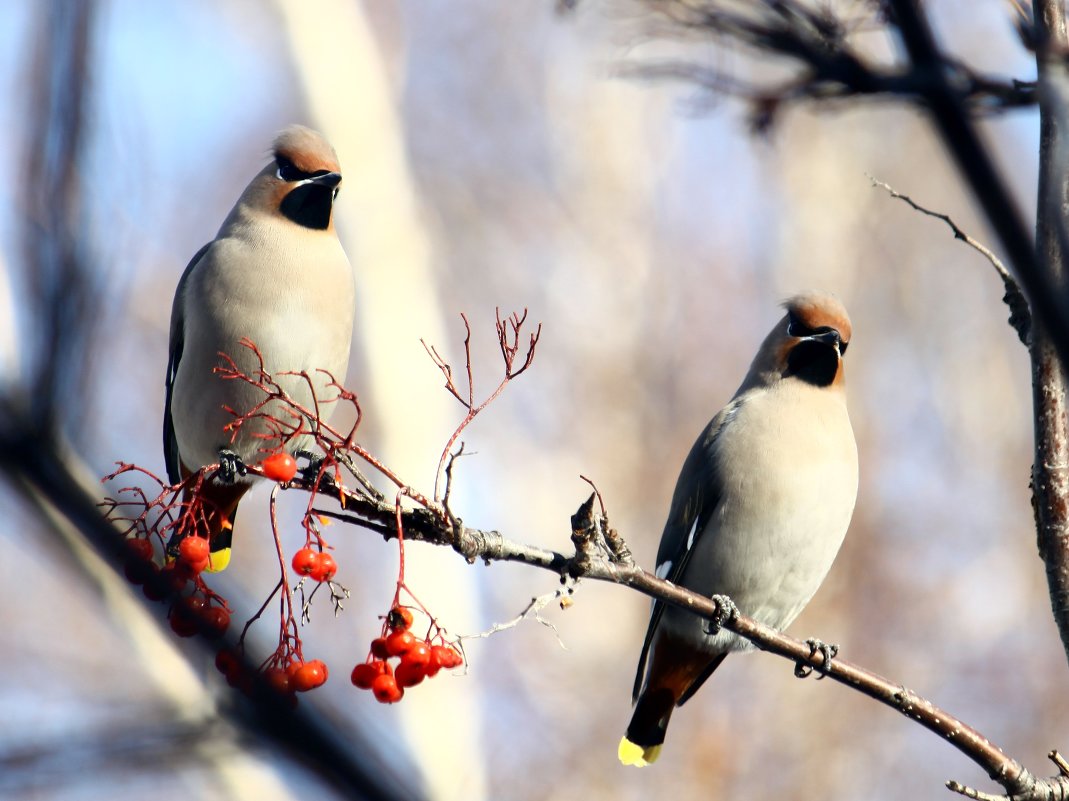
275	274
760	509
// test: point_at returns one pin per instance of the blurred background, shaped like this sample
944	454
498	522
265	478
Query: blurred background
495	156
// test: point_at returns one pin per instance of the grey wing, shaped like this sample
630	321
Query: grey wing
177	341
694	501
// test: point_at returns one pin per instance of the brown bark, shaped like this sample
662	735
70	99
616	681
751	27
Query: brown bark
1050	472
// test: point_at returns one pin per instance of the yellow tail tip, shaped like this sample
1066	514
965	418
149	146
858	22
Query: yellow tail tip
632	754
218	561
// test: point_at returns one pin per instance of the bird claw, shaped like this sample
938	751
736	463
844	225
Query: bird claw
310	472
827	653
725	611
230	466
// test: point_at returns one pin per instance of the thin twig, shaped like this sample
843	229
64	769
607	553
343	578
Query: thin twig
532	610
1020	315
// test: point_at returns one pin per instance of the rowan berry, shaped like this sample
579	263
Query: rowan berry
386	690
398	643
279	467
305	561
309	676
399	617
324	568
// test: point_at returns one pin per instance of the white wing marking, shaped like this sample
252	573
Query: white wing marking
693	531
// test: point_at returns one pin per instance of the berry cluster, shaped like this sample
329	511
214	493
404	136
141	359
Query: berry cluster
317	565
201	611
284	675
419	659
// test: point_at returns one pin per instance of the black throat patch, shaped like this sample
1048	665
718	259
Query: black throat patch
309	205
814	362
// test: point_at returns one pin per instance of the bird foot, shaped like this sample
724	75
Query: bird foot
311	456
230	466
315	461
827	653
310	472
725	611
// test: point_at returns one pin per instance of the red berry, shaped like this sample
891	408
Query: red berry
280	467
227	662
138	571
305	561
378	648
192	550
409	674
324	569
214	621
398	643
174	576
309	676
400	617
193	605
365	674
182	623
186	570
241	681
277	679
154	589
293	667
139	549
445	656
418	654
386	690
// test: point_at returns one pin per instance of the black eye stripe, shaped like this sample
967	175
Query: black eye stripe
796	328
288	171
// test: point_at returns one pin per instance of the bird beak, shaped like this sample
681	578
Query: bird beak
830	338
328	179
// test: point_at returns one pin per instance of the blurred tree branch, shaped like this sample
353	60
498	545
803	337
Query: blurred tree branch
31	458
817	43
1050	470
63	304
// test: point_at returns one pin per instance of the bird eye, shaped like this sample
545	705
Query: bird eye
288	172
798	329
842	348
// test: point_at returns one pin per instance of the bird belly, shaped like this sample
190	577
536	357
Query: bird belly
294	317
780	521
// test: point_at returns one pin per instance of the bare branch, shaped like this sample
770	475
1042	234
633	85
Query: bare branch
593	561
598	553
532	610
1020	315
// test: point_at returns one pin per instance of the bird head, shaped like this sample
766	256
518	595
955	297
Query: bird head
808	343
302	181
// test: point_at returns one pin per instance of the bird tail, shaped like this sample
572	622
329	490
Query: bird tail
645	734
634	754
220	540
675	671
216	524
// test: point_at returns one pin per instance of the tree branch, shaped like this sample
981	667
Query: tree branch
600	554
1020	315
1050	469
819	43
